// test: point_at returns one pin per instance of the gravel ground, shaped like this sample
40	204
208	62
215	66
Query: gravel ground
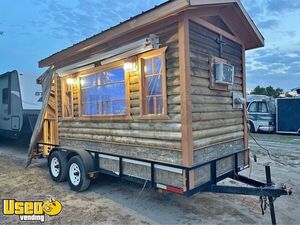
109	201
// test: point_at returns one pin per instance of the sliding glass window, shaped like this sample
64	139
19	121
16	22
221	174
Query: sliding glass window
103	93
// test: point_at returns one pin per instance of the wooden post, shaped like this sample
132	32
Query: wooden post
245	108
185	87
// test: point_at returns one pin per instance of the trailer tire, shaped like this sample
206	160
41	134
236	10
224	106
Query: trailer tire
77	175
58	166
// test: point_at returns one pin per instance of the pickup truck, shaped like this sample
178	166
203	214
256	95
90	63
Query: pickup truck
261	113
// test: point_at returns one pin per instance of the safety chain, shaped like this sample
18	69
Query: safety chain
263	204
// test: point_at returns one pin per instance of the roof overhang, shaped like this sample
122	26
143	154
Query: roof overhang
251	35
151	16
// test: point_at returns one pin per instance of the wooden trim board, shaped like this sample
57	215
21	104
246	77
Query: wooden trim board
246	145
215	29
185	87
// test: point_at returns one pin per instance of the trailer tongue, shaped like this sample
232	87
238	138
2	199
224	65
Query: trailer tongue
263	190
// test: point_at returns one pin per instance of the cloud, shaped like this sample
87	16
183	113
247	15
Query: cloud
273	66
280	6
291	33
280	69
80	19
254	8
292	55
88	17
268	24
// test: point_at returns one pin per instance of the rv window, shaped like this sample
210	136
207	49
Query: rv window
153	84
5	96
103	93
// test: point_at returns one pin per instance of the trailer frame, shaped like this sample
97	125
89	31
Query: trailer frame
257	188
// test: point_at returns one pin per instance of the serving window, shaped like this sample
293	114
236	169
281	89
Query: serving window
103	93
153	84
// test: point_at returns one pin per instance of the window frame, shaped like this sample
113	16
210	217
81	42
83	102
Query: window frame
258	108
142	90
99	69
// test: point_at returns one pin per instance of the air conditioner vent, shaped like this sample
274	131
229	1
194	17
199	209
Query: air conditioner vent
224	73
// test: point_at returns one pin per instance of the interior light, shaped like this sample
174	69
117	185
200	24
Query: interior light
128	66
82	82
70	81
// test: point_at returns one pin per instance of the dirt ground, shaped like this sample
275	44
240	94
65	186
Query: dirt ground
110	201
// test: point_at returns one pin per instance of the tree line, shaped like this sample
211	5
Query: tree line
269	91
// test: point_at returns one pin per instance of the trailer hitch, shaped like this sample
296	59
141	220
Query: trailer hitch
264	190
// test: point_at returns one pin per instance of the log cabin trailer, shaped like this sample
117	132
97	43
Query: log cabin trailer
159	97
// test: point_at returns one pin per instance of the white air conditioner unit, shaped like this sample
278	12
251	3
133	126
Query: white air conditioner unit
224	73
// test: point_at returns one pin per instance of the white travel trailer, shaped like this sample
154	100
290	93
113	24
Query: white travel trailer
17	118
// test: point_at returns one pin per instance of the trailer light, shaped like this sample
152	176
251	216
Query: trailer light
70	81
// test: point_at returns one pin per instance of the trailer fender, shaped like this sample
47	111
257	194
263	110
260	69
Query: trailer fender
86	157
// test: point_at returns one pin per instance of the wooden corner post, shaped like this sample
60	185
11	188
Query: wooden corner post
246	146
185	88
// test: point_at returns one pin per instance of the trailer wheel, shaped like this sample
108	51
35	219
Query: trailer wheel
77	176
58	167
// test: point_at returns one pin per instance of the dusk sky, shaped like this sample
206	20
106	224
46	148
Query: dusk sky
35	29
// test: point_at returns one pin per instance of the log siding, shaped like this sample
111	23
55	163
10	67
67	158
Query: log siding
214	120
146	135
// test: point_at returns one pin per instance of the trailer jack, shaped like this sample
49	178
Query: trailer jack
264	190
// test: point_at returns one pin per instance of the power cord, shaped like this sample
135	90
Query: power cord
140	192
273	158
